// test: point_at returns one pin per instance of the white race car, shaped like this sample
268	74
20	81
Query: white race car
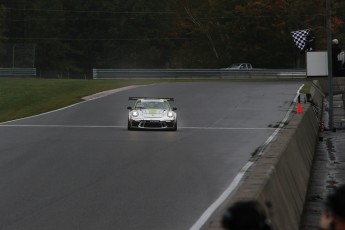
152	113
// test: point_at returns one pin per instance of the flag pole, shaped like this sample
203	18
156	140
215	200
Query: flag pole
330	71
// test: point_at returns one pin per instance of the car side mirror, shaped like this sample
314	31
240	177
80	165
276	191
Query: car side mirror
174	109
130	108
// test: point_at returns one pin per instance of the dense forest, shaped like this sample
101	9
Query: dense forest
78	35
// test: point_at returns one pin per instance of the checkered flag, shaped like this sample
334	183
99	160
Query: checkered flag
300	38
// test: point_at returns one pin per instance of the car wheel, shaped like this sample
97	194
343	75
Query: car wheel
129	127
175	126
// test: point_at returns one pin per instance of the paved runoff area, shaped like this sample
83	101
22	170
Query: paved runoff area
328	168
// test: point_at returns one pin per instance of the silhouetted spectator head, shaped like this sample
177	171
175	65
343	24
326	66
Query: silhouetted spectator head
245	215
333	216
336	201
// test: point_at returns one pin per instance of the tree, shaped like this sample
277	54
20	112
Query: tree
142	34
2	37
44	26
76	36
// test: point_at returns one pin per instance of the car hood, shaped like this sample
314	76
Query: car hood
153	112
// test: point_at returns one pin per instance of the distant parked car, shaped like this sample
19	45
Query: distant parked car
240	66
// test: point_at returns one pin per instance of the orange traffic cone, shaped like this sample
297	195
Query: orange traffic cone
299	108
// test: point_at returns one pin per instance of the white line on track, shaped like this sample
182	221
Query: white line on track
108	92
41	114
64	126
115	126
225	128
225	195
208	213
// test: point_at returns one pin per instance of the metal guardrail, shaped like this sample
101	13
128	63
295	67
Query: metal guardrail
17	72
195	73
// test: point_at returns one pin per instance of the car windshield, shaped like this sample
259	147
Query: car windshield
152	105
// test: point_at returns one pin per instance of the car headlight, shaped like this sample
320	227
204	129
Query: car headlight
170	114
135	113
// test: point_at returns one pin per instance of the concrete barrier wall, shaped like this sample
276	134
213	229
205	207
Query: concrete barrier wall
287	186
279	179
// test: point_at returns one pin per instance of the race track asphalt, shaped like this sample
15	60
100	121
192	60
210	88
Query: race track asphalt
80	168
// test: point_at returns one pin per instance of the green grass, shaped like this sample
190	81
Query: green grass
25	97
306	88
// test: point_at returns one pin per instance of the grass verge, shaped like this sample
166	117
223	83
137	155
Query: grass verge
306	88
26	97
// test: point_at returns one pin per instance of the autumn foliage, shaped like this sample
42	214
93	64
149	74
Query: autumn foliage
74	35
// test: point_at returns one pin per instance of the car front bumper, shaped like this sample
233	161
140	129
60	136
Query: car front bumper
152	124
